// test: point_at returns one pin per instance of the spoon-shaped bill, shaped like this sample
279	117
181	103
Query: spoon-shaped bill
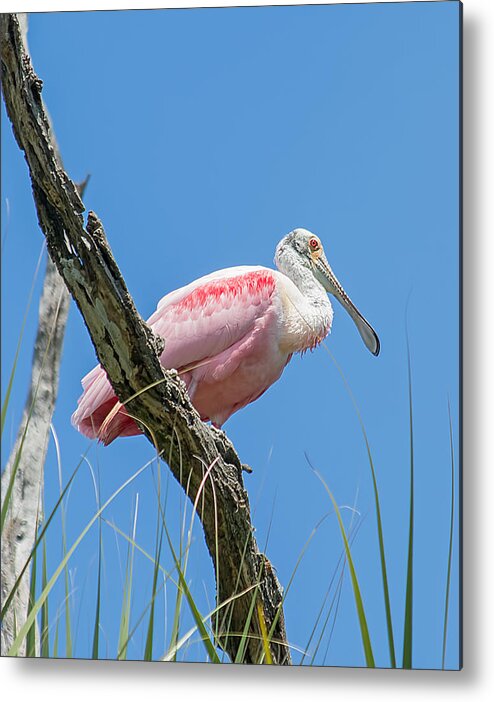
369	336
330	282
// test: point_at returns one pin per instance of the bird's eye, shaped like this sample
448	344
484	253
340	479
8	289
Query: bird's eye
314	244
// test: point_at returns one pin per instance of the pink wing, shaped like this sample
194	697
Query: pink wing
204	325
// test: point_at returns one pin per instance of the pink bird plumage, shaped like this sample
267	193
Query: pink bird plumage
229	335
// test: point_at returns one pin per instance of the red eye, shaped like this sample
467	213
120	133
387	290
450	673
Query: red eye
313	243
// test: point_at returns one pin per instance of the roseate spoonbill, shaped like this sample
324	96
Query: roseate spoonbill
231	333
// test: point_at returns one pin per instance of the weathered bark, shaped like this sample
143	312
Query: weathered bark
129	352
31	444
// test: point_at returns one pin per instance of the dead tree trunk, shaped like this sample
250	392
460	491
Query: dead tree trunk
129	352
27	459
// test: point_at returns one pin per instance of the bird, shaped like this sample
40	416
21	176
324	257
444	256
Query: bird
230	334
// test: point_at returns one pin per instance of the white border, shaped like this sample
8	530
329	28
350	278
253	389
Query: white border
55	680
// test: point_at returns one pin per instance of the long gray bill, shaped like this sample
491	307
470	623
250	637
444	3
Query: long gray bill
369	336
330	282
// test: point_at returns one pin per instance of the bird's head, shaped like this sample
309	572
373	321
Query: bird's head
299	250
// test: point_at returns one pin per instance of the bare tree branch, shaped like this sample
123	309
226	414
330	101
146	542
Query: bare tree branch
129	352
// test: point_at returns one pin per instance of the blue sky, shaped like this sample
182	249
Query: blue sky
209	134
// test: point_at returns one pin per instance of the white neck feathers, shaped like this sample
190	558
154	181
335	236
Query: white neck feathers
307	311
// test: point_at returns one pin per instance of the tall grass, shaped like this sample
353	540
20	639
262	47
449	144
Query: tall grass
407	660
364	628
123	636
200	629
451	531
408	625
377	505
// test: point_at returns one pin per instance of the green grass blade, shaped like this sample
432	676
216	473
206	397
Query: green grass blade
19	344
339	589
68	622
176	619
148	651
179	595
384	574
40	536
97	614
264	635
332	605
56	639
13	472
239	658
178	608
44	635
340	563
364	630
14	649
170	655
408	627
178	561
8	392
68	628
224	625
140	618
139	548
152	559
450	549
183	558
335	602
210	649
17	458
319	615
382	555
31	634
286	589
123	636
123	632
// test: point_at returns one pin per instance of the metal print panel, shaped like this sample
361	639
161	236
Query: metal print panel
269	470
